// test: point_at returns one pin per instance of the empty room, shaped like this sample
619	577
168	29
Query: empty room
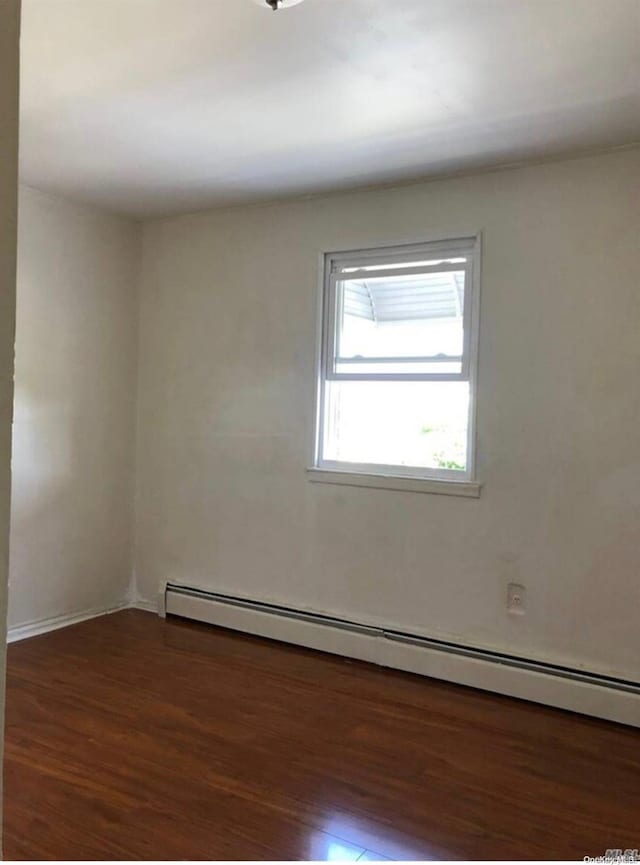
319	429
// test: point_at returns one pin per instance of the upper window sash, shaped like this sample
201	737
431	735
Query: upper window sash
431	258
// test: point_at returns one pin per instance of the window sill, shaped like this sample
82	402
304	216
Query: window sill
468	489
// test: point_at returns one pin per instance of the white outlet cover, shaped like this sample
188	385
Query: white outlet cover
516	599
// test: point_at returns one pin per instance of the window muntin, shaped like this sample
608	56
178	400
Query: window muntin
397	372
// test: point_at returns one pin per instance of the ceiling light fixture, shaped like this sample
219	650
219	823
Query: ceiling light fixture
277	4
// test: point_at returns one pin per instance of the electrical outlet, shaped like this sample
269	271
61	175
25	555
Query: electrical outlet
516	599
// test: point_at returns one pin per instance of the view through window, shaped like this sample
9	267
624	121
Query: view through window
397	367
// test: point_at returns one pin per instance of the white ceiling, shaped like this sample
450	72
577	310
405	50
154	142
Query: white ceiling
161	106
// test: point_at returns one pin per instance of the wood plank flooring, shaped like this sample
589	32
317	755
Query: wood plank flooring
128	737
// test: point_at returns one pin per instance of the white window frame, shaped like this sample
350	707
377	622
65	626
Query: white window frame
414	479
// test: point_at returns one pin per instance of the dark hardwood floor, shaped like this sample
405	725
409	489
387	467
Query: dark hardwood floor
133	738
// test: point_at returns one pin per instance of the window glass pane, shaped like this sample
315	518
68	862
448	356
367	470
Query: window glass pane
414	424
415	318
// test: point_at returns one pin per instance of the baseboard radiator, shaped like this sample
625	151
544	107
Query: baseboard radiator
576	690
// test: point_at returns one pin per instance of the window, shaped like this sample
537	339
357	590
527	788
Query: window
398	362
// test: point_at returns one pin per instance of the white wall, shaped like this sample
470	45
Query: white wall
9	63
73	443
228	307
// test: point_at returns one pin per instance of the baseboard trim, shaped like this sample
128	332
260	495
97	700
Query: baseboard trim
43	626
141	604
370	644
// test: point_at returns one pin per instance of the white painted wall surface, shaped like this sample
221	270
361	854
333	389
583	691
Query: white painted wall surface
9	65
73	443
228	317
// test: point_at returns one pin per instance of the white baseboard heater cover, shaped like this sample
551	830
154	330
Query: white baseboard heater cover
576	690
